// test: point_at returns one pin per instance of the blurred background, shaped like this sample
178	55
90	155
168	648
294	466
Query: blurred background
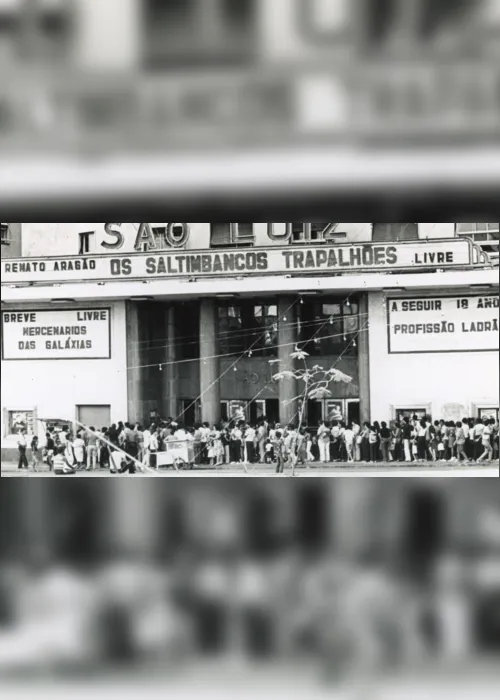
172	79
390	585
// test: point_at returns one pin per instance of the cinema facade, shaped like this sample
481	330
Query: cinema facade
103	322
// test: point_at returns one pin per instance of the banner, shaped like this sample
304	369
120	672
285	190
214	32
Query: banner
60	334
324	259
443	324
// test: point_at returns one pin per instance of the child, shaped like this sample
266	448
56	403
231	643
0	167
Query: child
441	450
34	453
269	452
279	452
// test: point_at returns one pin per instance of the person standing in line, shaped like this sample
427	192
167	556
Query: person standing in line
104	449
478	438
460	442
69	453
468	444
356	429
279	452
92	450
50	450
34	453
349	443
487	446
335	452
22	446
373	440
407	436
262	439
377	429
226	442
324	442
236	445
79	451
140	442
421	429
250	443
146	454
205	434
494	437
445	439
385	441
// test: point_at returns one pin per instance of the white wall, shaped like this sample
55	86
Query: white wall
56	387
468	379
52	239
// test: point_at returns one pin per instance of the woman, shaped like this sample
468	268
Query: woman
213	437
34	453
451	441
396	442
373	442
460	438
385	442
365	442
378	428
421	429
486	440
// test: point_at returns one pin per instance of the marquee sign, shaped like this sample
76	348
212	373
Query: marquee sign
61	334
291	260
443	324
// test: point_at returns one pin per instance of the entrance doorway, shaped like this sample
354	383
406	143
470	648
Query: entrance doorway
94	416
353	412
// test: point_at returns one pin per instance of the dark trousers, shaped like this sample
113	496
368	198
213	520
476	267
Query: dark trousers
23	460
373	452
335	450
235	450
422	448
251	452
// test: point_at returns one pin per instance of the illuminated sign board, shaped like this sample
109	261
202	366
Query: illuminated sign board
62	334
292	260
443	324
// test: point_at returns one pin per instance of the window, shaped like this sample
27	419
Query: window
231	336
248	328
395	232
5	234
199	31
329	328
223	235
479	231
265	335
19	420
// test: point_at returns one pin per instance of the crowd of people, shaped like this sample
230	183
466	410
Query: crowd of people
124	447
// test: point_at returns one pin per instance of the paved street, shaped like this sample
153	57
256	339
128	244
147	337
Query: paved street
340	470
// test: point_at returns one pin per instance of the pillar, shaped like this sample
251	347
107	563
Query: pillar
169	375
287	340
134	356
209	362
364	359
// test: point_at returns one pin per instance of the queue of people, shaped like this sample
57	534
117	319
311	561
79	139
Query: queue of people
127	448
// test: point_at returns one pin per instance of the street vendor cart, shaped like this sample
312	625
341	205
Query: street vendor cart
179	454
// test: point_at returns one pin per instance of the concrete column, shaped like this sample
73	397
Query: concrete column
287	340
169	375
209	362
364	360
134	355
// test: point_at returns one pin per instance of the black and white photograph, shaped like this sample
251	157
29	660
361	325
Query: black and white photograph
264	349
311	395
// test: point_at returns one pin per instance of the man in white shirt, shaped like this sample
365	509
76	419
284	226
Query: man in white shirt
250	444
22	445
356	429
79	451
349	443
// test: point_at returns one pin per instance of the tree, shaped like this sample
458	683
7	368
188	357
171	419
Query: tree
315	388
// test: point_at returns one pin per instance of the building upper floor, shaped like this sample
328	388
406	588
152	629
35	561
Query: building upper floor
179	33
40	240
